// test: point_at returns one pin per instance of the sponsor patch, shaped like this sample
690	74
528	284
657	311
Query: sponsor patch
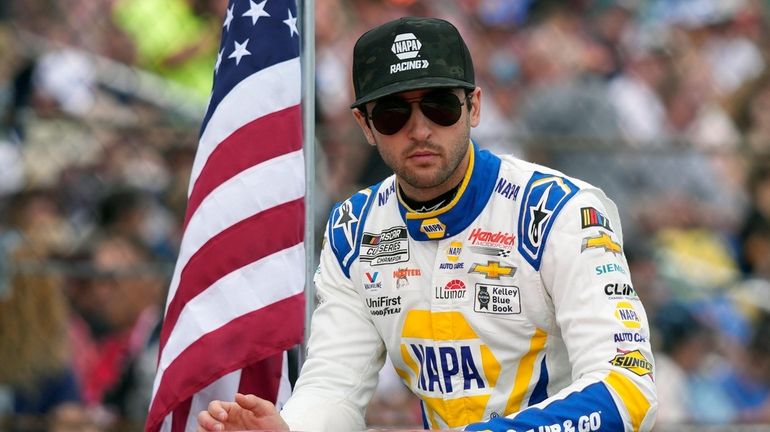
590	217
384	195
433	228
585	423
543	198
601	241
620	291
454	250
451	266
627	315
629	337
492	270
507	189
453	290
402	276
497	299
497	244
372	281
633	361
384	305
609	268
388	247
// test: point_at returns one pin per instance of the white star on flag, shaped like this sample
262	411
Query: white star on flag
219	61
240	51
292	23
228	18
256	11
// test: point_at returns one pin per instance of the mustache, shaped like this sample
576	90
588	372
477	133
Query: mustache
422	145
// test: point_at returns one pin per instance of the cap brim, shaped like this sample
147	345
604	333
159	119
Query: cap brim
414	84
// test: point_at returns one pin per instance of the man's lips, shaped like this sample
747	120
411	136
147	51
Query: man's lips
422	155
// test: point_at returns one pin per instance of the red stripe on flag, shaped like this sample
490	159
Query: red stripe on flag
241	342
179	417
263	378
249	240
260	140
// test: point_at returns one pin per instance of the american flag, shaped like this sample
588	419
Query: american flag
236	299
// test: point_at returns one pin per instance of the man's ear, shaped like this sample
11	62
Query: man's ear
475	100
364	125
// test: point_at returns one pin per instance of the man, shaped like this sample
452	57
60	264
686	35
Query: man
498	287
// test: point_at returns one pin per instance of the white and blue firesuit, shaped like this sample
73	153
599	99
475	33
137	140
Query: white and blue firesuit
509	309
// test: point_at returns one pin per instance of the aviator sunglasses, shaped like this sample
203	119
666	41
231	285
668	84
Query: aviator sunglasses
391	113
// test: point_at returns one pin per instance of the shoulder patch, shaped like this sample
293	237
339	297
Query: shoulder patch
544	196
346	223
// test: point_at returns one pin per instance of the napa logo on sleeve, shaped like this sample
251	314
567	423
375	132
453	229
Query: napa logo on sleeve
627	315
544	196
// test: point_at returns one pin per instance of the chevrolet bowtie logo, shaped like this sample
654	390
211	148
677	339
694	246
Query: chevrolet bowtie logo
492	270
603	240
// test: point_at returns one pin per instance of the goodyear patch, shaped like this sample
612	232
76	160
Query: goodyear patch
633	361
544	196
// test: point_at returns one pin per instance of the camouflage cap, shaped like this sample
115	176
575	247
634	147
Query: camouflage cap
407	54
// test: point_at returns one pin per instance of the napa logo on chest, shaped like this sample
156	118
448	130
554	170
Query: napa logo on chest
447	368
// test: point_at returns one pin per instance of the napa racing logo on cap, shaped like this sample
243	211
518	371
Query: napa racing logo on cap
406	47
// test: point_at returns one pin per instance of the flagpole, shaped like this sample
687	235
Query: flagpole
307	57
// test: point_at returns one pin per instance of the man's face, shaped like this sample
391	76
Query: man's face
426	156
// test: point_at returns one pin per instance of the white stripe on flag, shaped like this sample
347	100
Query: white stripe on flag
265	92
238	195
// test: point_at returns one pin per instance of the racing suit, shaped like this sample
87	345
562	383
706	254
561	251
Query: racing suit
510	309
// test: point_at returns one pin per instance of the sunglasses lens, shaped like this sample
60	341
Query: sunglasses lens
443	108
390	115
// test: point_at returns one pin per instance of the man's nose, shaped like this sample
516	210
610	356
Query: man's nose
419	127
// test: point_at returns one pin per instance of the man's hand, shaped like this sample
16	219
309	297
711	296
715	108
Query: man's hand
247	412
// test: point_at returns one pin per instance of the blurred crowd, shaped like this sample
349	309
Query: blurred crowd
665	104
